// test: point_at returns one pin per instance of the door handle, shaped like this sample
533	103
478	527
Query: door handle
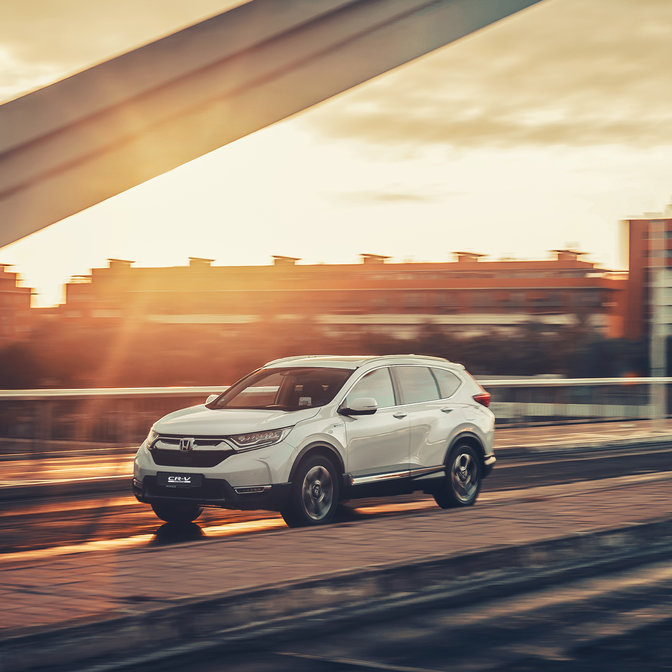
399	416
447	410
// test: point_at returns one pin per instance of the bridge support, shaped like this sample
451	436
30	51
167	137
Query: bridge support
104	130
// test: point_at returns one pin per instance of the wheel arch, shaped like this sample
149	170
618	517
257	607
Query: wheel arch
471	439
318	448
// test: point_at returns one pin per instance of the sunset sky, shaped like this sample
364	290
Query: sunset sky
540	132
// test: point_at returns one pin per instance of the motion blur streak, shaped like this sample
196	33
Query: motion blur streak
102	545
139	540
59	507
274	522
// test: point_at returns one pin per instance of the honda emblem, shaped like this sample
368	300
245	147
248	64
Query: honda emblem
186	444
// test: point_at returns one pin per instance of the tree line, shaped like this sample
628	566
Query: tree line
140	356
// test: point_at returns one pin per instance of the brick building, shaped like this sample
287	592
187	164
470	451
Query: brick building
15	315
468	294
649	287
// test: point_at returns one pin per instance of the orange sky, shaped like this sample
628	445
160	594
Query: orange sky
539	132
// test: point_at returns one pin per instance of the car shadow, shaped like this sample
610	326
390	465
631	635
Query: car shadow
176	533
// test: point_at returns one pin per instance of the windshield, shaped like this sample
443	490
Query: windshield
287	389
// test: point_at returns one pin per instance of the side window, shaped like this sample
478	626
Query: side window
376	384
417	384
448	382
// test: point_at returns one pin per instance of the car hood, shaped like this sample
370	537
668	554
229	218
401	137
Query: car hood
202	421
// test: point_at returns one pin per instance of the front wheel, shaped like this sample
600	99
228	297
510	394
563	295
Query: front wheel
462	482
315	492
177	512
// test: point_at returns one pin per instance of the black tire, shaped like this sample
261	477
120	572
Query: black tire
462	481
177	512
315	493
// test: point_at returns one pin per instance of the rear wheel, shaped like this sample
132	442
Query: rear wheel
462	482
177	512
314	495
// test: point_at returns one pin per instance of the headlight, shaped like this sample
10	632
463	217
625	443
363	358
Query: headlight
259	439
151	437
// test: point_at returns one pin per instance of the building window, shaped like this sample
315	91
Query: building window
379	301
481	299
517	299
446	301
412	300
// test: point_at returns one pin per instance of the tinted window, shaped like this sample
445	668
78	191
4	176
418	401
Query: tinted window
286	389
417	384
376	384
448	382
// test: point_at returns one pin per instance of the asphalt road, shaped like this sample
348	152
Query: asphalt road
62	525
618	622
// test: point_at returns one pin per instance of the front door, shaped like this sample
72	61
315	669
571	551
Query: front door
380	443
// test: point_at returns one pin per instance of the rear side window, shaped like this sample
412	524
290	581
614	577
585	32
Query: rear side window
417	384
448	382
376	384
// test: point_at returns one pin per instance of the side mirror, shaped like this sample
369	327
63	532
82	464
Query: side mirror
360	406
211	398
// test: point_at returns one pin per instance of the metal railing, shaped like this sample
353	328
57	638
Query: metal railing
124	416
537	400
100	415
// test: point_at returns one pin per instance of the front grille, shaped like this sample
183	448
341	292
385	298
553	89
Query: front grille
198	441
188	458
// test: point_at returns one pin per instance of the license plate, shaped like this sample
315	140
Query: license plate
179	480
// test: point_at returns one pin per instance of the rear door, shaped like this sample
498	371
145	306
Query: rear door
426	395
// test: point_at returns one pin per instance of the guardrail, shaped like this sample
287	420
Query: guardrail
100	415
528	401
121	415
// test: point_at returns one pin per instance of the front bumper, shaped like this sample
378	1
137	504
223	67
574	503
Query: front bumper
215	492
488	464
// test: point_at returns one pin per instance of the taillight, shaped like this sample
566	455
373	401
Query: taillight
483	398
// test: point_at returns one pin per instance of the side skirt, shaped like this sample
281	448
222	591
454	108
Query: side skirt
392	483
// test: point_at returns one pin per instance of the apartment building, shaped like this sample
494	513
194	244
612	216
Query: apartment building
468	294
648	296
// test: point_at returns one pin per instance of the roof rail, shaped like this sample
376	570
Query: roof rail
364	357
411	356
294	358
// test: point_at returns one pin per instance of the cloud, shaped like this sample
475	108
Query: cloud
564	72
60	38
378	197
19	76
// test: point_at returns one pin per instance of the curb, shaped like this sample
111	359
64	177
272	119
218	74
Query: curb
240	619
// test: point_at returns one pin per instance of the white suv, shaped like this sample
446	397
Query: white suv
301	434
